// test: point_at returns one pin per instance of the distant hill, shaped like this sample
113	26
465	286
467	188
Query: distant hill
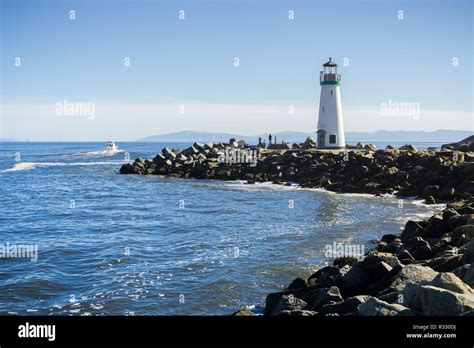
190	136
6	140
441	135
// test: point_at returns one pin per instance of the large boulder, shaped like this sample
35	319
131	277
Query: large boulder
168	154
468	255
445	263
460	144
412	229
375	257
275	304
370	147
412	274
432	300
437	226
376	307
317	298
419	248
350	305
466	273
308	143
127	168
287	303
382	285
159	159
327	276
190	151
456	221
463	234
408	147
450	282
298	283
354	282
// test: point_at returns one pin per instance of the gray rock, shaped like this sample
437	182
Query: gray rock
405	257
317	298
297	313
468	277
200	147
298	283
168	153
159	159
375	257
209	145
460	220
468	255
354	282
381	285
350	305
412	229
412	274
407	147
431	300
190	151
327	276
380	270
288	302
388	238
445	263
419	248
463	234
308	144
461	271
451	282
127	168
376	307
370	147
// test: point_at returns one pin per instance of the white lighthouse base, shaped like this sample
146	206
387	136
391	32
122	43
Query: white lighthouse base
330	122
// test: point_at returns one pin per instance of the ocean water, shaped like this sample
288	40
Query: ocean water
111	244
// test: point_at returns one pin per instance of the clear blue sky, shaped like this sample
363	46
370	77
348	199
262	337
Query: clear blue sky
191	60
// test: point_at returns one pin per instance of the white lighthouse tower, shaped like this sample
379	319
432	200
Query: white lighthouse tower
330	124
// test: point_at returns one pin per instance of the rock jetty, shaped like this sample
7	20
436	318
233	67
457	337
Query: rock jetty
435	175
424	270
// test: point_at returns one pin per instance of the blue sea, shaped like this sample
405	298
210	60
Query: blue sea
111	244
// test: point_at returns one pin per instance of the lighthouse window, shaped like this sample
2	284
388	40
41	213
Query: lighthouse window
332	92
323	108
332	138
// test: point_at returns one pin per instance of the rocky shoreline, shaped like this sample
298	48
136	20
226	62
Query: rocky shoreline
425	270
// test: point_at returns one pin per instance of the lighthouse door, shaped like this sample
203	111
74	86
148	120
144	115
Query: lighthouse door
321	138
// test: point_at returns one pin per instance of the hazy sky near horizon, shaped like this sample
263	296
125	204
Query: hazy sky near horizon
182	73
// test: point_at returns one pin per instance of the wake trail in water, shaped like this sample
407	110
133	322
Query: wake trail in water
91	154
32	165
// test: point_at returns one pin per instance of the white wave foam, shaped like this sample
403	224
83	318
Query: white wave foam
32	165
101	153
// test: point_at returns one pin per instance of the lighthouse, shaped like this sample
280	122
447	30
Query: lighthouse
330	133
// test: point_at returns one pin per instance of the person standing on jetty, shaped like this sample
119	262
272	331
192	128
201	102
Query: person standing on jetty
259	141
270	139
